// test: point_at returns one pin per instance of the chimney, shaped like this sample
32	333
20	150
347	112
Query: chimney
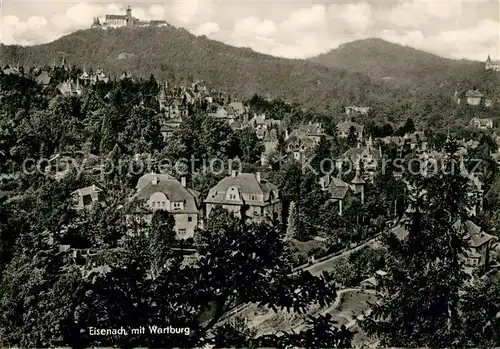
183	182
155	180
233	173
258	176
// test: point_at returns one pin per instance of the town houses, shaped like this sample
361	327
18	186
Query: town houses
346	127
127	182
164	192
246	194
492	65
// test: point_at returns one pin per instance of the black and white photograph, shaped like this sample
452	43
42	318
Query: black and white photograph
250	174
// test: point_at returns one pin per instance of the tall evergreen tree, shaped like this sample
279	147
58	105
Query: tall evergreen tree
419	303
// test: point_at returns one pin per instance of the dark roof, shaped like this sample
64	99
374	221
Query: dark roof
116	17
295	143
309	130
247	183
338	188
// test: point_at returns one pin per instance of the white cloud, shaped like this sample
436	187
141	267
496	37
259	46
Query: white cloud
157	12
421	13
185	11
450	28
358	17
305	19
253	26
474	43
206	29
15	31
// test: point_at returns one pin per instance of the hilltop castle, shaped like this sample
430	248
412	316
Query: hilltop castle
126	20
492	65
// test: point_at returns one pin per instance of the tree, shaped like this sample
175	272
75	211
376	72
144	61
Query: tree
352	138
322	333
419	303
142	131
292	223
115	287
407	128
109	131
322	161
162	239
250	146
480	307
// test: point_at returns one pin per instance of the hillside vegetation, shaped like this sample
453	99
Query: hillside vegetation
397	80
380	59
175	55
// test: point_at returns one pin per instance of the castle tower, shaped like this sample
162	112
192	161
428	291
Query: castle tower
97	23
130	19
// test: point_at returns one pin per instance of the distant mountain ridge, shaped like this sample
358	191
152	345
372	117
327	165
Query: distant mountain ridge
348	75
175	55
381	59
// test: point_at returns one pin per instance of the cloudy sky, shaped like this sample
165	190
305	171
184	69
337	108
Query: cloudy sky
288	28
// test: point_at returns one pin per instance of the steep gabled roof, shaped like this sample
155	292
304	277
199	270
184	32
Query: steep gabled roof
338	188
247	184
88	191
169	186
313	129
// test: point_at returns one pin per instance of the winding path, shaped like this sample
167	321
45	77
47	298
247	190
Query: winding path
315	269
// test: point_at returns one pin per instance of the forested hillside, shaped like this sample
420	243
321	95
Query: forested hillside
176	55
397	64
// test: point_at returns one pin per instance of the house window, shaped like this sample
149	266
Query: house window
252	197
177	205
190	218
153	204
163	204
232	197
182	232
